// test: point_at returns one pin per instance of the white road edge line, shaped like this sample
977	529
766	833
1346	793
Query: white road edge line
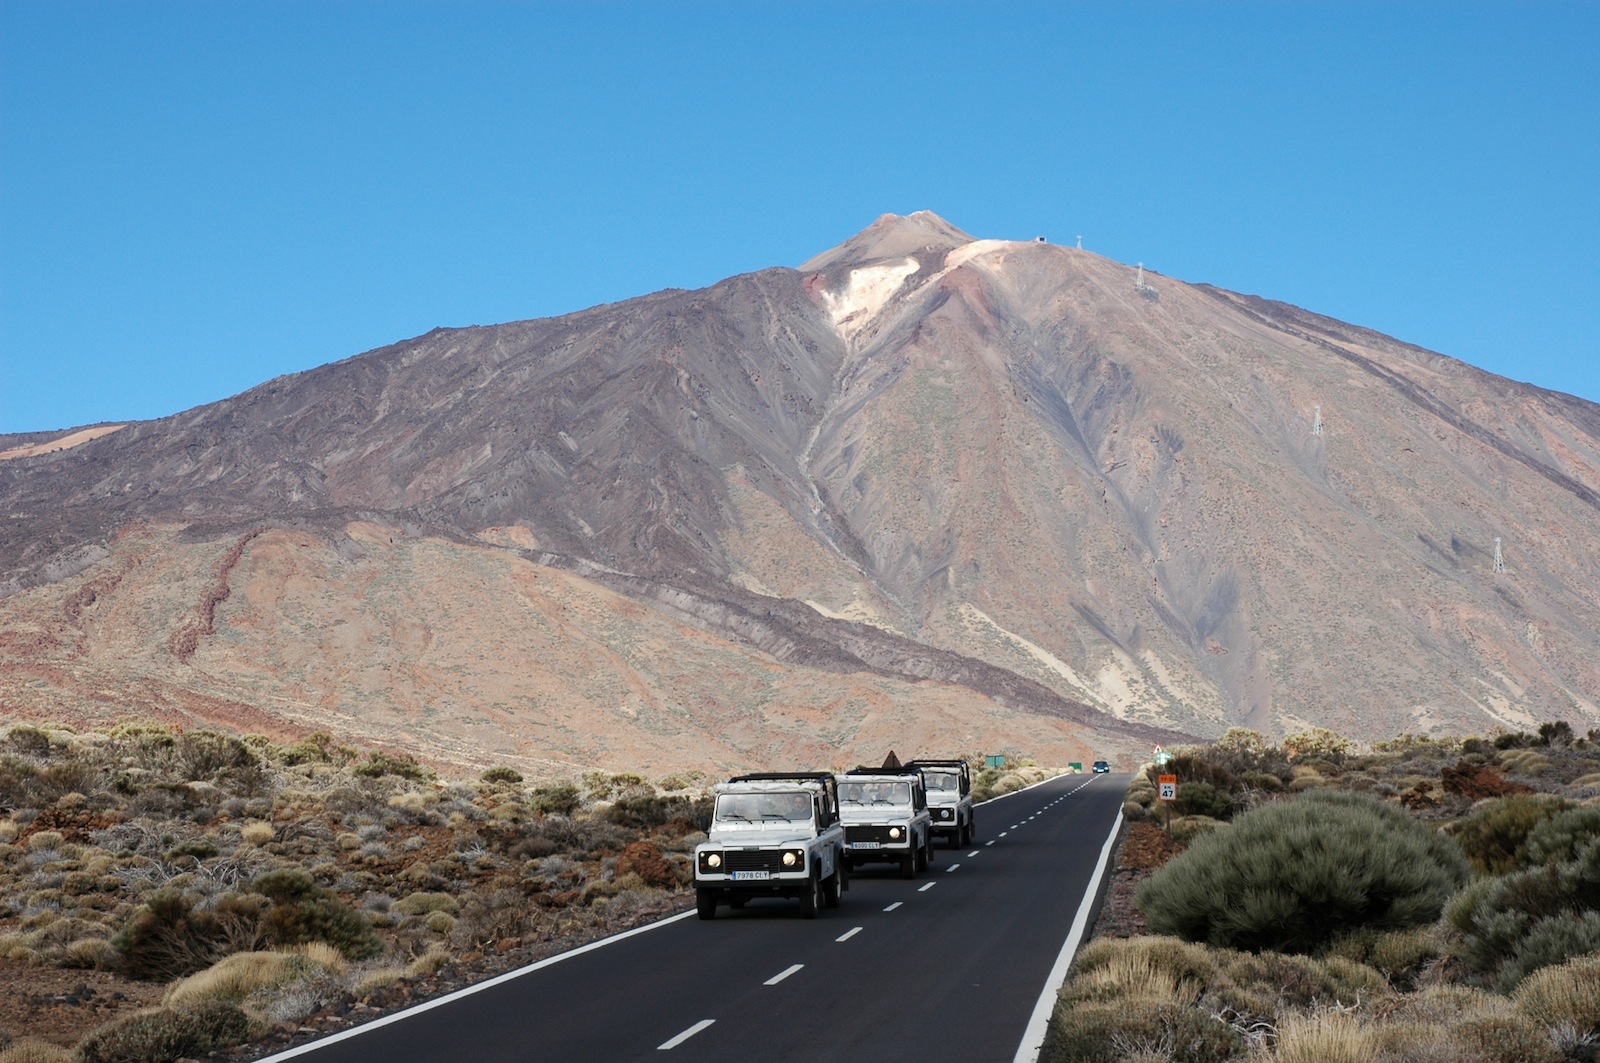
925	889
478	987
848	934
893	906
1033	1037
665	1046
781	975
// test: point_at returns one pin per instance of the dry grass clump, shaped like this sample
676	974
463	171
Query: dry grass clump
30	1050
1566	994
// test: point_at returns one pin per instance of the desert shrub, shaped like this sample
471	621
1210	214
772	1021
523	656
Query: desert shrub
649	811
202	754
65	777
492	916
1185	829
165	1034
1203	799
1192	767
1562	836
1260	780
603	786
1241	751
423	902
303	911
167	938
1556	733
1094	1032
1296	874
1508	927
1318	744
1269	984
556	799
501	776
1494	836
29	740
401	765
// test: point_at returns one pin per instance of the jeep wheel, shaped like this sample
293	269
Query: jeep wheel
811	899
921	863
833	888
705	901
908	866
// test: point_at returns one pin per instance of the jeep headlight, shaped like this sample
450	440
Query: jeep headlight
710	861
790	858
896	832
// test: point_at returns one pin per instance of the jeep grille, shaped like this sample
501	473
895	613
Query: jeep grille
759	860
866	833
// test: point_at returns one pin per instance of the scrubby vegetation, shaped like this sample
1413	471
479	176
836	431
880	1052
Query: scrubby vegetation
265	882
1425	899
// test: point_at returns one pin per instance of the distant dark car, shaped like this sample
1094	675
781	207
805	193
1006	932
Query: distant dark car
1100	766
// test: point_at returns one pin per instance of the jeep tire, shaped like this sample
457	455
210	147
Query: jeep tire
908	865
811	899
833	887
705	902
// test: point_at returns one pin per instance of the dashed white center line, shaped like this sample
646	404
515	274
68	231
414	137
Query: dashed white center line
925	889
781	975
684	1036
1002	834
952	867
973	853
893	906
848	934
988	843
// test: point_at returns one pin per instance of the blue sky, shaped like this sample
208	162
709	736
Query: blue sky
198	196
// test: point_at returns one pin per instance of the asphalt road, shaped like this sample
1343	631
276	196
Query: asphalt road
948	965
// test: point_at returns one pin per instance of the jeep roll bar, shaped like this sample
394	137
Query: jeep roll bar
830	786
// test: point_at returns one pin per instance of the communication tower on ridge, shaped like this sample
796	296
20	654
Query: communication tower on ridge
1142	288
1316	420
1499	561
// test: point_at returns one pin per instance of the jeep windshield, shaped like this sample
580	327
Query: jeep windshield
739	809
942	781
874	793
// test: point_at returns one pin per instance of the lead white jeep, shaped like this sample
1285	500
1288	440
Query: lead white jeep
886	817
773	834
950	799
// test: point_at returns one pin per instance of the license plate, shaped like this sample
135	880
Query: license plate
750	876
866	845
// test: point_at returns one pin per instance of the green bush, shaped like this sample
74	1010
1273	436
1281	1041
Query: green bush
403	765
1562	837
501	775
166	1034
1203	799
167	938
303	911
1298	873
1510	926
647	812
557	799
1494	836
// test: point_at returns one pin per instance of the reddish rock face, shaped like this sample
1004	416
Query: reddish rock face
1479	781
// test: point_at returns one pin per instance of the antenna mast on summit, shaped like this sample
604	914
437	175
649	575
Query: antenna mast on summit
1316	420
1080	241
1499	561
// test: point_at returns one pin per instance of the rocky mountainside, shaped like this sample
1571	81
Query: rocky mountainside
925	491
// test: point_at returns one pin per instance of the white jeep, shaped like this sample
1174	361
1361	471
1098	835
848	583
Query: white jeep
886	817
950	798
773	834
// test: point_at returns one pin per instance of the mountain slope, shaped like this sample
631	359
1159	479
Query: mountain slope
1053	485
